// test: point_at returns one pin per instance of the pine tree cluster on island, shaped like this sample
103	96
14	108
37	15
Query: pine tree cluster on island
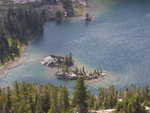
68	70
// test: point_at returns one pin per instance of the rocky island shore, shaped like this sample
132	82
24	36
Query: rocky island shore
70	69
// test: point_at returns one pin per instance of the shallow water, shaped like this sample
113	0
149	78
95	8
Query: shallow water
118	41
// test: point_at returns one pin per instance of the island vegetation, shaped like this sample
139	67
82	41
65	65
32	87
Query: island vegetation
38	98
70	69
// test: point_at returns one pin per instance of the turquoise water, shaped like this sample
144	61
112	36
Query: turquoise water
118	40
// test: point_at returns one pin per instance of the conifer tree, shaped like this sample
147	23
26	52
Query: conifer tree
80	96
8	101
65	99
70	59
52	109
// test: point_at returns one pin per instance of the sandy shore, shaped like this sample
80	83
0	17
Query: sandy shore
10	65
4	69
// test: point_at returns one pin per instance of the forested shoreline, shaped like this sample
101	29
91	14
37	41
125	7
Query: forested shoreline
20	24
38	98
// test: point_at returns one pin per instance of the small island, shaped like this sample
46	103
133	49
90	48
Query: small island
70	69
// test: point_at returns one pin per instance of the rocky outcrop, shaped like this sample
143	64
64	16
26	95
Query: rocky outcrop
67	70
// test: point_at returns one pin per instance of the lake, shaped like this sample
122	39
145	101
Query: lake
118	40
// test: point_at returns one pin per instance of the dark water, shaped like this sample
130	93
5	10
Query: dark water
118	40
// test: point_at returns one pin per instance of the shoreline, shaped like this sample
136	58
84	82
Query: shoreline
5	68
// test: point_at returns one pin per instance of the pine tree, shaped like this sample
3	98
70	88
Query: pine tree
80	96
52	109
70	59
8	101
65	99
130	105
